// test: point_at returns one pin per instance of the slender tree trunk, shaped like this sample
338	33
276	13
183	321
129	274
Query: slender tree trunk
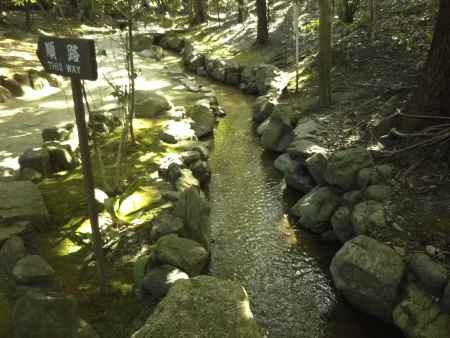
372	18
262	37
325	53
131	76
242	10
295	28
28	22
432	97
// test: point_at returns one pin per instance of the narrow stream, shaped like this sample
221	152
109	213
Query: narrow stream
284	270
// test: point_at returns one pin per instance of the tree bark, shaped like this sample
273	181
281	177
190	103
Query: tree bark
432	97
325	53
242	10
262	37
200	11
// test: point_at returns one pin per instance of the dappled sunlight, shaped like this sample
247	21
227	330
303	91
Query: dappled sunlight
33	95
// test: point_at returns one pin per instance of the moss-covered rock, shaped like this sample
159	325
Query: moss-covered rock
183	253
202	307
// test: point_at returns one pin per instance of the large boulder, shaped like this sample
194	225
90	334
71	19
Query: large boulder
55	134
32	269
344	165
166	224
264	107
204	307
37	159
317	166
315	208
150	104
369	274
232	74
11	251
40	315
142	42
368	217
418	316
159	280
432	275
377	175
203	118
13	86
278	134
183	253
61	157
342	226
5	94
262	79
21	202
193	208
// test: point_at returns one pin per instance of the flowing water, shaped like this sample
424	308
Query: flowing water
284	270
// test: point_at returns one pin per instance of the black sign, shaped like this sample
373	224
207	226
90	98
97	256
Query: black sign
68	57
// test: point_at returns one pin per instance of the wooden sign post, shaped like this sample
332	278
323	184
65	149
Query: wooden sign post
76	58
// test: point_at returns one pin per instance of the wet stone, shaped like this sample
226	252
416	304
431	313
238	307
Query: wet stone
11	251
368	217
159	280
432	275
342	226
37	159
380	193
21	201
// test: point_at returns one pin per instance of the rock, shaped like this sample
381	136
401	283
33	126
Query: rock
299	181
142	264
55	134
315	209
189	157
206	307
286	164
380	193
264	108
167	162
352	197
232	74
110	118
302	149
32	269
11	251
215	69
262	128
342	226
21	202
142	42
202	150
203	118
431	250
45	315
200	170
432	275
201	71
317	166
153	52
37	80
139	197
445	299
183	253
37	159
61	157
85	330
377	175
166	225
193	208
186	181
368	217
5	94
329	237
344	166
369	274
278	134
150	104
175	131
261	79
308	128
13	86
22	78
418	316
8	231
159	280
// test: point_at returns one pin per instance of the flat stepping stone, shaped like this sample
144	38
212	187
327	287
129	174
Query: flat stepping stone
22	205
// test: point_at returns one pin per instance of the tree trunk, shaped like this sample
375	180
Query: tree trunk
432	97
242	10
263	30
28	23
200	11
325	53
